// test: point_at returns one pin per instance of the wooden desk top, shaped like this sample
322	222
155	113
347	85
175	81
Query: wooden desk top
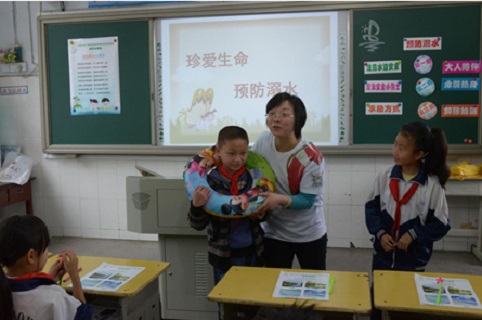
255	286
396	291
135	285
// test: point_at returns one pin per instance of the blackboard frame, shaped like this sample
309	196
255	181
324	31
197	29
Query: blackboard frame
203	9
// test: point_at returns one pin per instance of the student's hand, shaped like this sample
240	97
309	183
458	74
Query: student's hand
57	270
71	262
200	196
405	241
71	265
387	242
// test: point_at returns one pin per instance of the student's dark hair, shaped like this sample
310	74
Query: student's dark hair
229	133
18	234
105	100
294	312
432	142
298	105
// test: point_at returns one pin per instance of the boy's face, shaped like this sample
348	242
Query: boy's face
233	154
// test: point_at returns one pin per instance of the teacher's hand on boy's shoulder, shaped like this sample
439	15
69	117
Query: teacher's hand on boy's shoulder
200	196
387	242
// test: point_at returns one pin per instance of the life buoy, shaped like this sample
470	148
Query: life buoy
224	206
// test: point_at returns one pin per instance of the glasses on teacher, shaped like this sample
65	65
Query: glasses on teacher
273	115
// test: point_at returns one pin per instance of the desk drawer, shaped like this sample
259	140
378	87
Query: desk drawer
4	198
20	193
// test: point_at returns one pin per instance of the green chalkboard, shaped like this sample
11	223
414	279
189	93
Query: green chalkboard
459	28
133	125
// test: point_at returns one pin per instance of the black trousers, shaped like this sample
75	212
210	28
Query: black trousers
310	255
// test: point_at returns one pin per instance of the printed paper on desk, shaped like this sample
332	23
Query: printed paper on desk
108	277
302	285
455	292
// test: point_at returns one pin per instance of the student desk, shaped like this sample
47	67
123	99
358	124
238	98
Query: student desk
244	289
11	193
469	187
395	292
137	299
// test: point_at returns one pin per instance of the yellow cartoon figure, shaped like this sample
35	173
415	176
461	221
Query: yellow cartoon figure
199	115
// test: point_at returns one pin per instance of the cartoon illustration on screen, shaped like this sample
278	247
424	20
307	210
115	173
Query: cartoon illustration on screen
200	115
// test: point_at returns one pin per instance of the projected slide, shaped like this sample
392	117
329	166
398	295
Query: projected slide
218	71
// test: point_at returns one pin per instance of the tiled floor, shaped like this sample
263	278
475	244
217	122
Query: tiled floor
344	259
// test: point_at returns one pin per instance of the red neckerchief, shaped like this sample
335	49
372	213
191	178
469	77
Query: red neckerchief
395	190
34	275
234	178
234	187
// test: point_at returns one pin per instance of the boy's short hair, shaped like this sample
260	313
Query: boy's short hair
229	133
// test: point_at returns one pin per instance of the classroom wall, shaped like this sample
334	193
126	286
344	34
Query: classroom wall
85	197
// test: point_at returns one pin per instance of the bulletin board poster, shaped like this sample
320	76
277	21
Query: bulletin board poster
94	76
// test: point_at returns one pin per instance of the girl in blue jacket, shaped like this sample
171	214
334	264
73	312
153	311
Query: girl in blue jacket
407	210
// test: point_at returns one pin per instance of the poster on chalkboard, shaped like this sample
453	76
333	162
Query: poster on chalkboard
94	76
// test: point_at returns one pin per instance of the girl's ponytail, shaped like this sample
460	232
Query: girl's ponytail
435	162
433	144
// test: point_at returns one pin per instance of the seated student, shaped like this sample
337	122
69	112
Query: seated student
25	291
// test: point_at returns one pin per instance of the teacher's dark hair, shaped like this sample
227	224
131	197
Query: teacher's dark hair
298	105
433	144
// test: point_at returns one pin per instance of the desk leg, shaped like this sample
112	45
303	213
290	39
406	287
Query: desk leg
28	203
29	206
477	250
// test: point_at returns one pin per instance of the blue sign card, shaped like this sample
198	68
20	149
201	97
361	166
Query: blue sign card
460	84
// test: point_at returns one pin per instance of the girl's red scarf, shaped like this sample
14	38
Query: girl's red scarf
395	190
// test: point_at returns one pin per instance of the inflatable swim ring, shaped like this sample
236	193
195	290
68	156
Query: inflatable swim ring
224	206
